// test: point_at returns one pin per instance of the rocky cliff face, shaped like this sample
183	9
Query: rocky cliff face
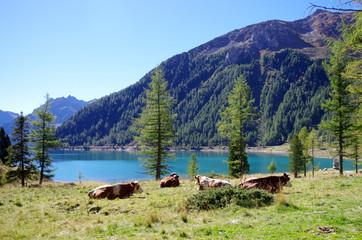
308	35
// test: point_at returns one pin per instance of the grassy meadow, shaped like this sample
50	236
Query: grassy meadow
324	207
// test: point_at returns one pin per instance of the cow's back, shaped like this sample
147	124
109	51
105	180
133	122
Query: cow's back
169	182
120	190
105	191
123	190
271	183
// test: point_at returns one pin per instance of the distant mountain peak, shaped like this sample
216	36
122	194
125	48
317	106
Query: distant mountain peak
7	116
62	107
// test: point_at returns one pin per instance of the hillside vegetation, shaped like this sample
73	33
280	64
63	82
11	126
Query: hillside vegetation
281	61
288	87
327	207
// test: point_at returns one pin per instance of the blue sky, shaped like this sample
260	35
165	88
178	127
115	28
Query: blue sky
90	49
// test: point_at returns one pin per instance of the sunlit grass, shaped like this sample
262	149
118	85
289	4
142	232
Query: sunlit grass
327	207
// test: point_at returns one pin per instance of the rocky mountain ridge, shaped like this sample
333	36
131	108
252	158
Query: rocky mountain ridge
308	35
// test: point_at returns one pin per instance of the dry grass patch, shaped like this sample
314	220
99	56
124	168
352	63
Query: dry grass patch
63	211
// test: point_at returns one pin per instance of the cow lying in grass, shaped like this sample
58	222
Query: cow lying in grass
205	182
271	184
171	181
120	190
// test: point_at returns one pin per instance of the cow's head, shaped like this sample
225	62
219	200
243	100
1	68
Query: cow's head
91	194
174	175
286	180
136	187
197	179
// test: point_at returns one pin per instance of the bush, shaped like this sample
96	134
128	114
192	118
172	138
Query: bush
220	197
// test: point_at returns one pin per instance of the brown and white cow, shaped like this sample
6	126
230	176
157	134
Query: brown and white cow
271	184
171	181
119	190
206	182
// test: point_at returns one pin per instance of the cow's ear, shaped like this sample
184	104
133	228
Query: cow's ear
134	183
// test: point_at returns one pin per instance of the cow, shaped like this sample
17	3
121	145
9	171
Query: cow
171	181
119	190
205	182
271	184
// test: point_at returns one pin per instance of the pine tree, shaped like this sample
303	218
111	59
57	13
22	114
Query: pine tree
43	137
4	144
193	167
272	166
22	167
155	127
233	118
296	163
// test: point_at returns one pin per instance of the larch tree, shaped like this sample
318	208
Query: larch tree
239	111
296	162
154	128
353	46
341	104
19	161
193	167
303	135
345	69
43	136
311	144
355	154
272	166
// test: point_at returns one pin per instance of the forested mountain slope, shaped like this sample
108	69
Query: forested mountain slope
280	60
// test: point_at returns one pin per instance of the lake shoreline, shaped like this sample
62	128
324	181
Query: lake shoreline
283	149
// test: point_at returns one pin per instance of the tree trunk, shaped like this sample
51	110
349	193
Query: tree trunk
340	142
305	167
42	155
313	159
241	140
356	152
158	167
22	156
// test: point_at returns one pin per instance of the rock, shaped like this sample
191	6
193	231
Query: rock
95	209
326	229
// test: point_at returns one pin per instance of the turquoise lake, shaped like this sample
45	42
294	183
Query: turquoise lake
115	166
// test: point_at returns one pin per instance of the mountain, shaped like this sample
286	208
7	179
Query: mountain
6	116
282	62
63	108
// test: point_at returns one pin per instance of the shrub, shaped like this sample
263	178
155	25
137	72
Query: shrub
220	197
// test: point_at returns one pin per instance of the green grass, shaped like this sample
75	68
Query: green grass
326	207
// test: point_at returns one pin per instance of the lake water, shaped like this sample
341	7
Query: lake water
114	166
